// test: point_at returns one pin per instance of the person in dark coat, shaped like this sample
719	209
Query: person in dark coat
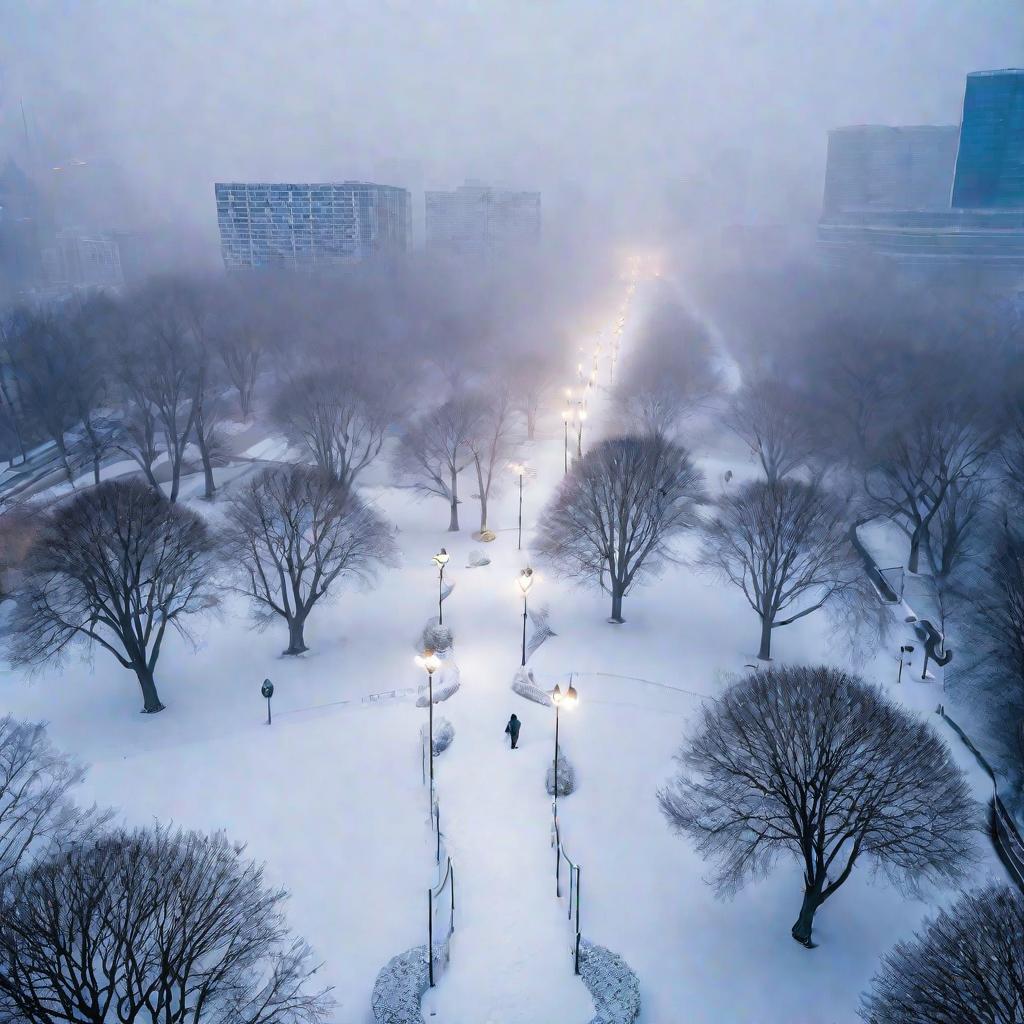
513	730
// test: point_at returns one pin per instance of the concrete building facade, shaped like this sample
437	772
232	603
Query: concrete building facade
310	226
476	221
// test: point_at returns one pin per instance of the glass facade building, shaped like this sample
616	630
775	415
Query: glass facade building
310	226
479	222
990	162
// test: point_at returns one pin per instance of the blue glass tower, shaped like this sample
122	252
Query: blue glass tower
990	161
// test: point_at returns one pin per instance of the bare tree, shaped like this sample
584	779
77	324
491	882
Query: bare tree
916	464
160	368
786	546
965	966
435	448
531	382
768	417
815	764
295	534
671	374
114	566
37	816
617	512
152	925
339	416
240	341
490	443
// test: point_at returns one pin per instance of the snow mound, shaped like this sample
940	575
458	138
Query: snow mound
566	776
436	638
400	986
444	733
446	684
613	986
524	685
477	559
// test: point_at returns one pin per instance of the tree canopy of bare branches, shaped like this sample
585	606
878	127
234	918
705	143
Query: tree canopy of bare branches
491	443
916	464
436	447
152	925
617	511
815	764
294	534
116	565
339	415
966	965
786	546
670	375
767	417
37	815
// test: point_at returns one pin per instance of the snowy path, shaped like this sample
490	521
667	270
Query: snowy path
510	959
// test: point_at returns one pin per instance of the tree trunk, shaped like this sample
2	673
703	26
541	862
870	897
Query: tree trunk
915	551
296	641
204	452
150	698
453	521
96	468
617	603
483	511
63	452
531	425
802	929
764	652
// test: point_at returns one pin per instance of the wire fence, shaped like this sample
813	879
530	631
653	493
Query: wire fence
1003	831
572	892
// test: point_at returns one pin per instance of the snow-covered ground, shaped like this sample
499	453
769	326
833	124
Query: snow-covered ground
330	795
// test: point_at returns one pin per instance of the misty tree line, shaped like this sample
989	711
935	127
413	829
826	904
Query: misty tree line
102	923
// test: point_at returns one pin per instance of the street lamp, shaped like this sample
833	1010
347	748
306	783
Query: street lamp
904	649
525	581
520	469
581	415
431	663
567	700
566	416
440	560
267	689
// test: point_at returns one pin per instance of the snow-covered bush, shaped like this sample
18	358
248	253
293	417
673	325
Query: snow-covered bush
437	638
612	984
477	559
524	685
444	733
566	776
400	986
446	683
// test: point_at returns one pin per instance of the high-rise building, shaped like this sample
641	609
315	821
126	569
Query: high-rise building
479	222
83	259
20	231
990	162
880	167
310	226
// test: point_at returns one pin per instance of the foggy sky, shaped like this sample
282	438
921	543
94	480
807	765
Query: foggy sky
615	104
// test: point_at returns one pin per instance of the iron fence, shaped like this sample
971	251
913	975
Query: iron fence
573	894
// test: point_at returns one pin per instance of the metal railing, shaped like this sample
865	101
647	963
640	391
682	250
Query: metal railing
1005	836
574	887
441	899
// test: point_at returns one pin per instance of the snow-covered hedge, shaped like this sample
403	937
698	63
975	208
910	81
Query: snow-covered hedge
444	733
613	986
566	776
523	684
400	986
446	682
436	638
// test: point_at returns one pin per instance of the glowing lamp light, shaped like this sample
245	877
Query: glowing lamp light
441	558
525	580
569	699
429	661
582	413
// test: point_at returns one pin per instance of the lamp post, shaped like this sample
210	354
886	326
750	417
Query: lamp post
566	416
581	415
904	649
520	470
431	663
440	560
567	700
525	581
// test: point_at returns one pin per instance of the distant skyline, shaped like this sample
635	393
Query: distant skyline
617	105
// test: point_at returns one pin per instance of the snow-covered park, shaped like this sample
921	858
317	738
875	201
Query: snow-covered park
331	796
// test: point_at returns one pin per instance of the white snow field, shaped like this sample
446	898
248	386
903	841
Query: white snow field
330	796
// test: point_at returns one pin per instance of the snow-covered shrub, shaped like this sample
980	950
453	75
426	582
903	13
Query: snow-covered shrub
566	776
444	733
523	684
446	683
400	986
477	559
612	984
436	638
